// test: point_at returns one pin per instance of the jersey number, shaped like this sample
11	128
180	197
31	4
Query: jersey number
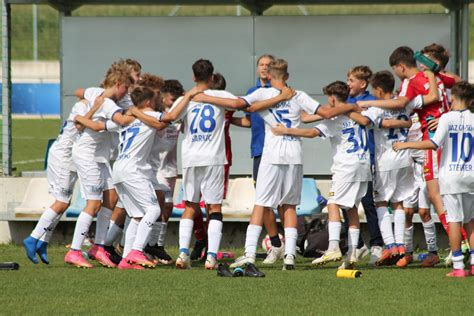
207	123
465	150
357	142
392	134
279	117
130	133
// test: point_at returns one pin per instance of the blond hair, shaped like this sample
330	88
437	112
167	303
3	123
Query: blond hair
278	68
361	72
117	73
151	81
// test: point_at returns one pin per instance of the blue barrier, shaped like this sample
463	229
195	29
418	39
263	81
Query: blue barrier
35	98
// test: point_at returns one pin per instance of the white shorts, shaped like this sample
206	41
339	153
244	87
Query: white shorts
420	192
394	185
138	197
93	177
61	181
459	207
278	185
205	180
165	184
347	194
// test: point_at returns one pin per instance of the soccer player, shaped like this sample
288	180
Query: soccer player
350	169
454	134
91	154
62	177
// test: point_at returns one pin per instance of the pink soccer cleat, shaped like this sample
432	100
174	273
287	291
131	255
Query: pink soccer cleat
75	258
124	265
458	273
102	257
138	257
472	270
93	251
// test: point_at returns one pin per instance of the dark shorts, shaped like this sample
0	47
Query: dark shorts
256	165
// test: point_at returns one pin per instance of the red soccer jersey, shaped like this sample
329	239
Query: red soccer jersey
419	85
449	82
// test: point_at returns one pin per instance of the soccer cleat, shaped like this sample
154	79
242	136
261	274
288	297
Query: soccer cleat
160	254
223	271
199	246
349	262
29	243
92	251
124	265
328	256
183	261
242	260
75	258
252	271
458	273
430	261
472	270
113	255
389	256
102	257
288	262
138	257
42	251
405	260
211	263
362	252
375	254
273	254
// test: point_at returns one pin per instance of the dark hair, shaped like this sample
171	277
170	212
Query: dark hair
218	82
383	80
438	52
173	87
151	81
140	94
361	72
464	91
402	55
203	70
338	89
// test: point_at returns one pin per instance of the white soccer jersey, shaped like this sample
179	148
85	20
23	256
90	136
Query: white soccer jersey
136	141
61	150
349	146
203	143
282	150
92	145
386	158
126	102
455	134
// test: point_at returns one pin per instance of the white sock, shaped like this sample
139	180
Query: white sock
162	235
145	227
472	258
83	224
291	234
353	240
430	235
334	229
45	223
185	233
125	227
409	238
214	235
102	225
49	233
155	232
399	230
458	262
251	240
385	225
113	233
130	235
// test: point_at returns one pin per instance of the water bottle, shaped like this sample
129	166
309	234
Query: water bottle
9	266
421	58
427	120
238	272
348	274
225	255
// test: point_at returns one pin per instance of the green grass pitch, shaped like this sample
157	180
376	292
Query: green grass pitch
61	289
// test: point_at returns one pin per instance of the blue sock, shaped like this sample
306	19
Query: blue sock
399	245
185	250
457	253
472	252
212	254
390	246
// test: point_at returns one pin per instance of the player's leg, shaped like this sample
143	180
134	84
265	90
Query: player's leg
408	258
291	234
277	249
333	253
353	238
115	231
370	210
200	233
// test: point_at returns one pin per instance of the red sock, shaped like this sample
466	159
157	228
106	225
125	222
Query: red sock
200	231
442	219
463	234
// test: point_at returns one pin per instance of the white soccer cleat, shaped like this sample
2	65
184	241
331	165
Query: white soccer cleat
273	254
289	262
375	254
241	261
328	256
349	261
183	261
362	253
211	263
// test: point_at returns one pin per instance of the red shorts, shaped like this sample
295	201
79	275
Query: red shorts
431	167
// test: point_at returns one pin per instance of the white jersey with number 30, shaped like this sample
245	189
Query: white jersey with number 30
282	150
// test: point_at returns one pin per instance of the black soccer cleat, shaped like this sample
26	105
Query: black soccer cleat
199	246
223	271
162	256
252	271
113	255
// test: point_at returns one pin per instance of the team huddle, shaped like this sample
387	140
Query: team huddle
392	152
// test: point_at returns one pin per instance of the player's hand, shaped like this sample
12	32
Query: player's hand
279	130
433	124
356	108
194	92
79	127
287	93
397	146
363	104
